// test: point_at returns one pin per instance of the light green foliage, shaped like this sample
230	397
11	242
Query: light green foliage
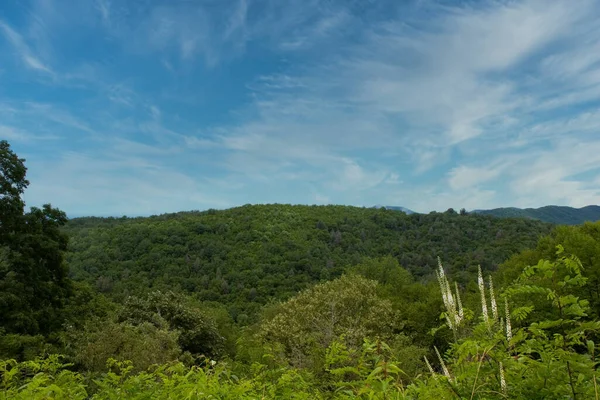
369	373
40	379
582	241
48	379
307	324
418	304
550	357
387	272
144	344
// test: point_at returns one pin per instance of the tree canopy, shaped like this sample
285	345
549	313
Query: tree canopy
246	256
34	280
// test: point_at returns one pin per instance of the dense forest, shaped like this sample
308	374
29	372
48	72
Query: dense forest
245	257
281	301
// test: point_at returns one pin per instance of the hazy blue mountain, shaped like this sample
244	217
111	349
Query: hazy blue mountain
553	214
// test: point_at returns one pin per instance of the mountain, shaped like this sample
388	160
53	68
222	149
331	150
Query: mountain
396	208
553	214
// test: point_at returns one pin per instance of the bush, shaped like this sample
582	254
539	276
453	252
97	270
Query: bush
304	326
144	345
198	333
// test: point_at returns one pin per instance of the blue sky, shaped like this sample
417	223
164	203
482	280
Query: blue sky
141	107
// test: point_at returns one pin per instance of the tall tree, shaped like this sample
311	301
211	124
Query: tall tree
33	275
12	185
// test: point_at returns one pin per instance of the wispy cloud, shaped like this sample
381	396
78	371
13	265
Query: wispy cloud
89	179
28	58
103	7
554	176
464	177
15	135
456	82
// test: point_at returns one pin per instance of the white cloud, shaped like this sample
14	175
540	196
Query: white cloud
11	134
311	35
442	81
123	185
464	177
23	50
444	92
155	112
55	114
564	173
103	7
321	199
353	177
237	20
551	176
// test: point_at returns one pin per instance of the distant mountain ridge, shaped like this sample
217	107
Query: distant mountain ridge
396	208
554	214
560	215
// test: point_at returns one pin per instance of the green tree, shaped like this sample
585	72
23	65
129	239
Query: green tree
144	344
34	279
307	324
12	186
198	332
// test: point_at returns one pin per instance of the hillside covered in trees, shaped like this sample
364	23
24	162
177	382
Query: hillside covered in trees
293	302
247	256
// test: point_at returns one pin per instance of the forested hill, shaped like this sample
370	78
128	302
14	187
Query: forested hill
245	256
552	214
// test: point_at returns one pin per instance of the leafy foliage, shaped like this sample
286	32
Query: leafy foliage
549	357
198	333
308	323
545	358
144	344
583	241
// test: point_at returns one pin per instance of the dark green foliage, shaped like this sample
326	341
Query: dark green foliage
198	333
21	347
86	304
418	303
33	276
552	214
12	185
246	256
